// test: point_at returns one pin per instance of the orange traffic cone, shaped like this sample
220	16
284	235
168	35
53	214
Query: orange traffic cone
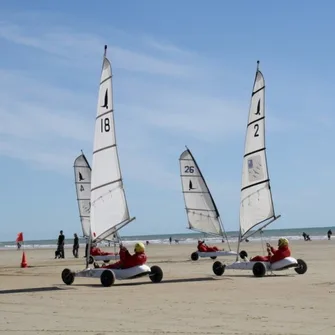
24	263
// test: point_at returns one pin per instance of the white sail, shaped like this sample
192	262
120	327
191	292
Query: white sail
256	199
203	216
109	210
82	177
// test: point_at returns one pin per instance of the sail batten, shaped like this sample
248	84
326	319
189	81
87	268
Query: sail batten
202	213
82	177
109	210
256	205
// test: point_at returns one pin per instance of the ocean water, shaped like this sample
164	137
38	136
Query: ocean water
319	233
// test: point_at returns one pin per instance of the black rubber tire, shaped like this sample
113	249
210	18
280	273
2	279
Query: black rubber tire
218	268
194	256
156	274
301	268
107	278
106	260
259	269
214	257
243	254
90	260
67	276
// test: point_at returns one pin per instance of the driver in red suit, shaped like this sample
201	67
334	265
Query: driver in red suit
203	247
95	251
127	260
275	255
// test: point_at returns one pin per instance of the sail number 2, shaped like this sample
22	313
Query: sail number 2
105	125
256	127
189	169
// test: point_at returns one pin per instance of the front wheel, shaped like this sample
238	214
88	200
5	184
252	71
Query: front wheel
67	276
218	268
90	260
156	274
301	268
194	256
213	257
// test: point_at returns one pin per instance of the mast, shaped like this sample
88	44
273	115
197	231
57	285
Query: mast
204	180
196	192
256	205
109	211
82	179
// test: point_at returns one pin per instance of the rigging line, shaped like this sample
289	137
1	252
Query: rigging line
262	241
101	197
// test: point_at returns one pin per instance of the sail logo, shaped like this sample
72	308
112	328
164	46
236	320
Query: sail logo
81	177
105	105
190	186
258	111
87	208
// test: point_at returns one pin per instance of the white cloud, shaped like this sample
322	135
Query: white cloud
203	117
167	47
46	112
41	124
43	117
80	48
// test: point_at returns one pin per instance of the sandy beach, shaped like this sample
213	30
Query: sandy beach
189	300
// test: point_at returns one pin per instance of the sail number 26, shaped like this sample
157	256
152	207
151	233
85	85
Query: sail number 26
105	125
189	169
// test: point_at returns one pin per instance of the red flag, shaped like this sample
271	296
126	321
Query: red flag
19	237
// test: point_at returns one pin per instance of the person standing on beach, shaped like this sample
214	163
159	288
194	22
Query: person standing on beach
329	234
75	246
60	243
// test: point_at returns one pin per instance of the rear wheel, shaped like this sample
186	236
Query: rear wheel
259	269
194	256
213	257
218	268
67	276
107	278
156	274
301	268
90	260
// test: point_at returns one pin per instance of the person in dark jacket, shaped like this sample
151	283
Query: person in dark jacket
275	255
127	260
329	234
59	253
75	246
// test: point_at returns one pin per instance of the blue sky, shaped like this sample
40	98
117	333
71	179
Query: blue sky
183	74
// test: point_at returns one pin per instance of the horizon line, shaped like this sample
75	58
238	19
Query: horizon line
188	233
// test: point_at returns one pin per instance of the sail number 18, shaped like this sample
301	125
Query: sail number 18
105	125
